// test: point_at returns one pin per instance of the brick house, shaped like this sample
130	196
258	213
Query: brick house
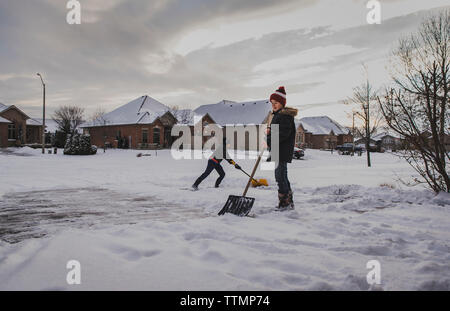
4	132
143	123
321	133
238	115
387	141
16	128
189	118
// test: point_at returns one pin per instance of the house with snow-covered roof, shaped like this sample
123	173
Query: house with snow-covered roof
321	132
231	114
237	113
143	123
386	140
17	128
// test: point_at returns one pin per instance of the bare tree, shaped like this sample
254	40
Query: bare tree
416	107
364	97
68	119
183	116
98	117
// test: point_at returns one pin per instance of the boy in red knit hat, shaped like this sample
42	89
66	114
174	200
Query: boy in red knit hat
284	117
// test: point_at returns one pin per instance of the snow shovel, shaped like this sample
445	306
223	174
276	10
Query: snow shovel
241	205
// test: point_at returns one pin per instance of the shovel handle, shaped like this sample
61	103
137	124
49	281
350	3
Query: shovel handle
253	172
248	175
269	122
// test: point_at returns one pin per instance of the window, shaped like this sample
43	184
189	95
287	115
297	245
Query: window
12	131
144	136
156	135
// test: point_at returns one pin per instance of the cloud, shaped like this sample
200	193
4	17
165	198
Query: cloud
127	50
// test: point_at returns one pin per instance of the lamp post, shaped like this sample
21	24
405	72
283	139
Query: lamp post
43	115
353	133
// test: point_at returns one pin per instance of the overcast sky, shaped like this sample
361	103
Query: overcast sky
193	52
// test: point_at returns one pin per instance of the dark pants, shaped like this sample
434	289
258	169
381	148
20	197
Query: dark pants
284	186
211	166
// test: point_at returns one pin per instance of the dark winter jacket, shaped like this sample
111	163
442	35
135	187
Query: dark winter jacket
285	120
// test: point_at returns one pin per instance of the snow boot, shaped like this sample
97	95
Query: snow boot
195	187
216	185
283	201
291	199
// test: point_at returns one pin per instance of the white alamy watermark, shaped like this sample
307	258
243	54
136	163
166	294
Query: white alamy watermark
374	15
74	275
206	137
73	17
374	275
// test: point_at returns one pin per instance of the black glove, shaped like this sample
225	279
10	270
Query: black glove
237	166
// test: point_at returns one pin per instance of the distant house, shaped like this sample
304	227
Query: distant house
143	123
387	140
382	141
427	137
321	132
16	128
232	114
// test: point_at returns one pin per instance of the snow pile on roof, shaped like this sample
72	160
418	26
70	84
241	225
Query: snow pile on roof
3	120
229	112
143	110
380	136
32	121
322	125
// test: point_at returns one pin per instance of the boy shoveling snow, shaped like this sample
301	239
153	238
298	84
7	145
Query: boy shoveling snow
284	117
219	154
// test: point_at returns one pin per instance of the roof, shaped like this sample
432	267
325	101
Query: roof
142	110
34	122
380	136
3	120
321	125
3	107
229	112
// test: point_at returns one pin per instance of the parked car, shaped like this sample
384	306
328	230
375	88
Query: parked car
348	148
372	148
298	153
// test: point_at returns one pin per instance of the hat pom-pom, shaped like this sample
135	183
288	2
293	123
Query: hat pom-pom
281	89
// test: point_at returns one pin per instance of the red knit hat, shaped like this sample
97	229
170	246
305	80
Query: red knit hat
279	96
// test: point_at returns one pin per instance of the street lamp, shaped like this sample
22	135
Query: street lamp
43	115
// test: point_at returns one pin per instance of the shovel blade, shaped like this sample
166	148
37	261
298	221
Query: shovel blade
238	205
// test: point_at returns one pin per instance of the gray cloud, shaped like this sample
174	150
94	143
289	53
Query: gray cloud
108	54
101	62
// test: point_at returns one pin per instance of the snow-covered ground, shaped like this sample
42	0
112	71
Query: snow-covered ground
131	225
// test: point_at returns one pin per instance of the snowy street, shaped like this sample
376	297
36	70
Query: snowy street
132	224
